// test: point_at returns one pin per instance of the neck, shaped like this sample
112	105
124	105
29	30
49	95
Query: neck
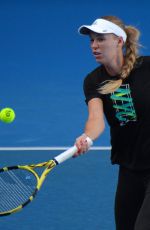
114	66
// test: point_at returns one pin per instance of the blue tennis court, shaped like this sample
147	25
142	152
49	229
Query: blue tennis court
74	196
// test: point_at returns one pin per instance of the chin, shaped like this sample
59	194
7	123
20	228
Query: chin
99	60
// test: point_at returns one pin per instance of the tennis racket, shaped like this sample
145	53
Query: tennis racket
19	184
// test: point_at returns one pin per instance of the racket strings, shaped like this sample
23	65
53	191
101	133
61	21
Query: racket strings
16	186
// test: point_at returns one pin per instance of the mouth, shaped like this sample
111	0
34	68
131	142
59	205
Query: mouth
96	54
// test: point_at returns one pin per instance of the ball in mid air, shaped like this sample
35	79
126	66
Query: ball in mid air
7	115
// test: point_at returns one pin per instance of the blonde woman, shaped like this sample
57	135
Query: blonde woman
120	89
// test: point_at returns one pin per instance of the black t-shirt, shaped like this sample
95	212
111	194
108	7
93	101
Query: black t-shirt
127	111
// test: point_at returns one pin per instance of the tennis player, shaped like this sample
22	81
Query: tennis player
119	89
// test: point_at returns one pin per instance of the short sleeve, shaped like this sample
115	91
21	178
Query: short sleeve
90	87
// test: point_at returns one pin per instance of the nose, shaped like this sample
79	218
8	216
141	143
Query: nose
94	44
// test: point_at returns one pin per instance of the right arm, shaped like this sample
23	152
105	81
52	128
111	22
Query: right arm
94	126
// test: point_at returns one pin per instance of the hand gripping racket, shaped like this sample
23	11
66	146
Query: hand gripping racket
20	184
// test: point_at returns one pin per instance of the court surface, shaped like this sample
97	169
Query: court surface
77	194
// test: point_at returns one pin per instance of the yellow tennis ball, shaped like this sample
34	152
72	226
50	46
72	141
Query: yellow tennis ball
7	115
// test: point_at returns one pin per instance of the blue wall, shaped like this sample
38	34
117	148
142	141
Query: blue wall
44	61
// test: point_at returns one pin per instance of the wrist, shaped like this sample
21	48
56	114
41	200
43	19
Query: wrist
88	139
87	136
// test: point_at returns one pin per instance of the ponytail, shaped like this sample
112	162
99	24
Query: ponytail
131	49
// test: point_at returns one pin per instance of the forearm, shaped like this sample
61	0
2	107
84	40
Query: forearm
94	125
94	128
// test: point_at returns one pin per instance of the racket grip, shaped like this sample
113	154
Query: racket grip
70	152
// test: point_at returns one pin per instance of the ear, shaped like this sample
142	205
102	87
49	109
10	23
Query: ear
120	41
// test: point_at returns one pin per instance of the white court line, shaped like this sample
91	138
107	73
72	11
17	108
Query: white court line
49	148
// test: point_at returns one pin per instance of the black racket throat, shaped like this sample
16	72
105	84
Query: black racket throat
9	168
56	161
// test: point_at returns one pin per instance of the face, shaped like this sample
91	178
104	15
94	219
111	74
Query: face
105	47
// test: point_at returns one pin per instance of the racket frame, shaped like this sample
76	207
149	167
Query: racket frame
49	166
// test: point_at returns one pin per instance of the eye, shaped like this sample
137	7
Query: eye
100	39
91	39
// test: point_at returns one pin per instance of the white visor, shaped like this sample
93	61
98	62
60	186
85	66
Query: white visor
102	26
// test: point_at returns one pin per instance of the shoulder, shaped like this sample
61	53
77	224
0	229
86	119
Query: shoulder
94	73
146	59
91	84
143	61
94	77
141	68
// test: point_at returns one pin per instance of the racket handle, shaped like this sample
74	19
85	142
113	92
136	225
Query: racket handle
70	152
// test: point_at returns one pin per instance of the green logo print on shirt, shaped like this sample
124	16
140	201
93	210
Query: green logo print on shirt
123	104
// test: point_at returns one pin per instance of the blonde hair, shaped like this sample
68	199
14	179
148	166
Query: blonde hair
131	50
